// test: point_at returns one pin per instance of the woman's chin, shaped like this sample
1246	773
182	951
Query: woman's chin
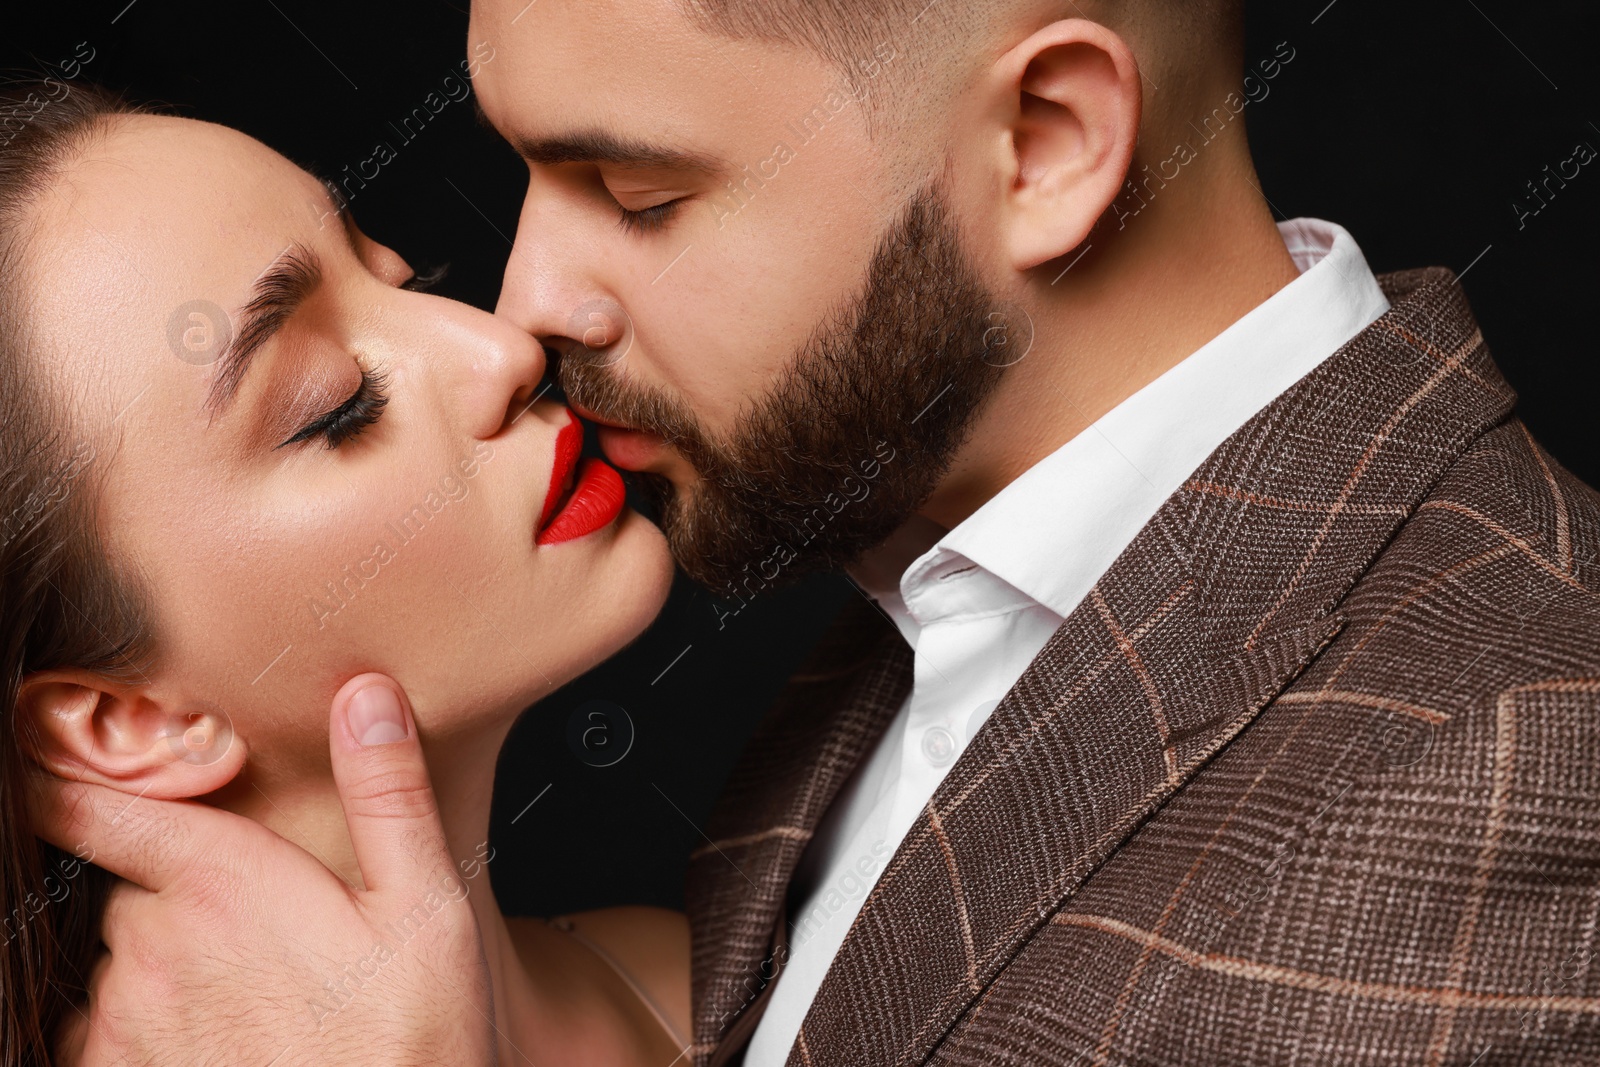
636	587
623	592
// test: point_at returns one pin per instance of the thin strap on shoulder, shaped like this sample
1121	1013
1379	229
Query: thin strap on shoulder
565	925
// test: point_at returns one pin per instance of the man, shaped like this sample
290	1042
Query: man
1224	687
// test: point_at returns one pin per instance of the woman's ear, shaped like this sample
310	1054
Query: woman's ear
1072	107
81	725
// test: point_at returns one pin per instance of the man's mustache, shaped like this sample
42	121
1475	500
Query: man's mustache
591	380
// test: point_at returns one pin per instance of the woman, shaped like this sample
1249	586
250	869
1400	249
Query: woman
245	460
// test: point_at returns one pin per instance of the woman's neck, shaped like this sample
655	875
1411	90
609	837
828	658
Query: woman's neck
307	812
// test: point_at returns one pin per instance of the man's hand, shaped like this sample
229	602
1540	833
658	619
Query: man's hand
228	944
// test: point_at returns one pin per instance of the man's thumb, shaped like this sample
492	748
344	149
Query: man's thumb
383	785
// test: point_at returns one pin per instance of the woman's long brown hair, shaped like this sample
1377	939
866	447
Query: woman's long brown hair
61	603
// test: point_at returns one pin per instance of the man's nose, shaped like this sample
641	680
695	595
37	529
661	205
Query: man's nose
598	331
546	280
570	317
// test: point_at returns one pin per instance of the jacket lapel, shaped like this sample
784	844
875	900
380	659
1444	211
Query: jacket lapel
1212	610
829	716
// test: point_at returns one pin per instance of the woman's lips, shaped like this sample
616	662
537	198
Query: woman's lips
595	502
569	443
596	492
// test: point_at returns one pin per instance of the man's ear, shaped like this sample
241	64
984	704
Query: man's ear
84	726
1073	100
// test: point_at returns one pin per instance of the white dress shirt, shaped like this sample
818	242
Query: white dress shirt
980	603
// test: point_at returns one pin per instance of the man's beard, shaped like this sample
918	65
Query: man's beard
855	436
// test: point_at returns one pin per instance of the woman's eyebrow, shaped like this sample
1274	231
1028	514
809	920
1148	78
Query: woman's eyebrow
277	293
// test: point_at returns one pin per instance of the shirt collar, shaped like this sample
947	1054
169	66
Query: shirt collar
1052	532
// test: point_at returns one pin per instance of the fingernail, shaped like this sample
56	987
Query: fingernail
376	717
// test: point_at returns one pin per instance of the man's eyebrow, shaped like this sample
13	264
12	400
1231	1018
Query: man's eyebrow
277	293
596	145
599	146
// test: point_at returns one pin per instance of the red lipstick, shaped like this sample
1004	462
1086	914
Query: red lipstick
584	494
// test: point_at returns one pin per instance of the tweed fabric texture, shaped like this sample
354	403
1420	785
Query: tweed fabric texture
1311	776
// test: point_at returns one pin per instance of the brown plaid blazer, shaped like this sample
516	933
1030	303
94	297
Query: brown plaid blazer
1312	776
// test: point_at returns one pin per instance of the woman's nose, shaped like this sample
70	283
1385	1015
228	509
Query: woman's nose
507	371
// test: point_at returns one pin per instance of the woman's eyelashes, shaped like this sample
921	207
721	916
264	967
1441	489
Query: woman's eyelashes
364	406
359	411
425	279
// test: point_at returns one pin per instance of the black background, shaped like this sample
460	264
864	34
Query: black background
1414	124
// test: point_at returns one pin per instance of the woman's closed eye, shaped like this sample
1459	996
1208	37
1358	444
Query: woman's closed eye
363	407
359	411
425	279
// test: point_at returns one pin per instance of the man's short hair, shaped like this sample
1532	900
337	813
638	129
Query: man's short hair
1175	34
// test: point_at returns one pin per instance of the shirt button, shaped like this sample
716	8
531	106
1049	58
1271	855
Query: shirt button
938	745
